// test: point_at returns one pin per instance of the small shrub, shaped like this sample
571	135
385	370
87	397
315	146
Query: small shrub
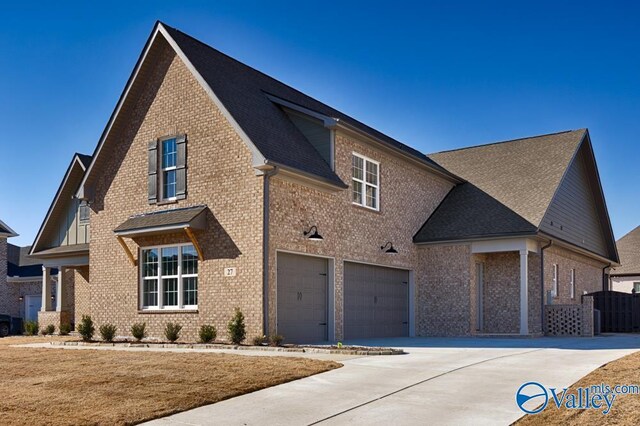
108	332
208	334
236	328
276	339
259	340
48	330
31	328
139	330
172	331
65	329
86	328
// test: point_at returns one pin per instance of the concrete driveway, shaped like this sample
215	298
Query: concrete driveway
440	381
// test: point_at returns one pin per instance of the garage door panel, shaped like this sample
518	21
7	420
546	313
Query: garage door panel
302	298
376	301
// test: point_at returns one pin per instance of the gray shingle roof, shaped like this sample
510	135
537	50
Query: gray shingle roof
20	264
511	186
243	91
162	218
629	251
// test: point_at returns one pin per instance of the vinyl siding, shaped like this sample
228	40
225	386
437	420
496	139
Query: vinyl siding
573	214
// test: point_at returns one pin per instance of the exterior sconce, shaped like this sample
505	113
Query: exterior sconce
315	236
21	298
389	250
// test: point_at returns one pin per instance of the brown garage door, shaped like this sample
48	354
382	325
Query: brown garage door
376	301
302	298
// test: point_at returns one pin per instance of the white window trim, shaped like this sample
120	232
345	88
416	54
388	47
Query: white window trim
159	278
161	196
364	182
573	283
555	280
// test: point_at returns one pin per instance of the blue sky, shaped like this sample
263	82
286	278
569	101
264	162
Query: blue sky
435	75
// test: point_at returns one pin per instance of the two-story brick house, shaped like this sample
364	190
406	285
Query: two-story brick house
215	186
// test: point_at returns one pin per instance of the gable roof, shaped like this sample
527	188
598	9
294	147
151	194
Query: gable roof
68	186
510	187
629	250
252	102
5	231
20	264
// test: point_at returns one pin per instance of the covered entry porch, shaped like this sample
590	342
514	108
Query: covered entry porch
505	287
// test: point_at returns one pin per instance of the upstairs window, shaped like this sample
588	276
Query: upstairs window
169	277
167	174
169	156
365	182
83	213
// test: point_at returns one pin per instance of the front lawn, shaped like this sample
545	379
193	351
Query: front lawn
64	386
625	409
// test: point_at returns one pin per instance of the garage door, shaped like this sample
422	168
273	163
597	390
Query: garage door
302	298
376	301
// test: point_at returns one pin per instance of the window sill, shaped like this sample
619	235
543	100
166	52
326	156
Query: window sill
165	202
361	207
168	311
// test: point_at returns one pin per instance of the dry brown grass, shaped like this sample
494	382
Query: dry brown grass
625	410
63	386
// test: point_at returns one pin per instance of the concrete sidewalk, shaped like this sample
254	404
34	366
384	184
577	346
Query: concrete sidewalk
440	381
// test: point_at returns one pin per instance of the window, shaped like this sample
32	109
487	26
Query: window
365	182
84	212
572	277
555	280
169	276
636	287
168	155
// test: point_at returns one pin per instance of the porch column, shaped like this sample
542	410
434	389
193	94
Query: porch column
46	289
59	291
524	292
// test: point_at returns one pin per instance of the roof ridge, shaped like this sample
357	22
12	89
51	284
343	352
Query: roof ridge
506	141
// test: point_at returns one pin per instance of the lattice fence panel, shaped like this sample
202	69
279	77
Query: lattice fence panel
564	320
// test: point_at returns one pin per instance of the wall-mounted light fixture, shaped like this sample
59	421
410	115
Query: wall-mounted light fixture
21	298
389	250
315	236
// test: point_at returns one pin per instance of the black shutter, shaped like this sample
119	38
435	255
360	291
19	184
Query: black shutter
181	167
153	172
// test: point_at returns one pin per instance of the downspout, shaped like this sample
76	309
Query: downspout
265	250
542	284
605	281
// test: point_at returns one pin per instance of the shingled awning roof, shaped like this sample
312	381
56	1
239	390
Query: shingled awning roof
163	221
629	251
5	231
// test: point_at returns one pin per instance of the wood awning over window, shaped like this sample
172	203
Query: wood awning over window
186	219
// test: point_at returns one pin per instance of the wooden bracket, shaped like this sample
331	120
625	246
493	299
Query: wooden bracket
127	251
192	237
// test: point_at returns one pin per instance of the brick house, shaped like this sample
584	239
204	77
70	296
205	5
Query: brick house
215	186
626	277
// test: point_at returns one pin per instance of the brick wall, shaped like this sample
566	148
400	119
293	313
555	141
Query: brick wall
588	274
81	294
219	174
408	195
5	300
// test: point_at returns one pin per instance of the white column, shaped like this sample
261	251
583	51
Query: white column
46	288
59	291
524	292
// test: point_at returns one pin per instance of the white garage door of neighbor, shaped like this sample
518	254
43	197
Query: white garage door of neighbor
376	301
302	294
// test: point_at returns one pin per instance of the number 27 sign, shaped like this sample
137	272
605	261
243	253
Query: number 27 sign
229	272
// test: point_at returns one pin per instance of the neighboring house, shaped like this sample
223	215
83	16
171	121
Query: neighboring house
62	246
5	298
626	277
24	283
215	186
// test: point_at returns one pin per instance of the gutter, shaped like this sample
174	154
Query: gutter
605	286
542	249
265	249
